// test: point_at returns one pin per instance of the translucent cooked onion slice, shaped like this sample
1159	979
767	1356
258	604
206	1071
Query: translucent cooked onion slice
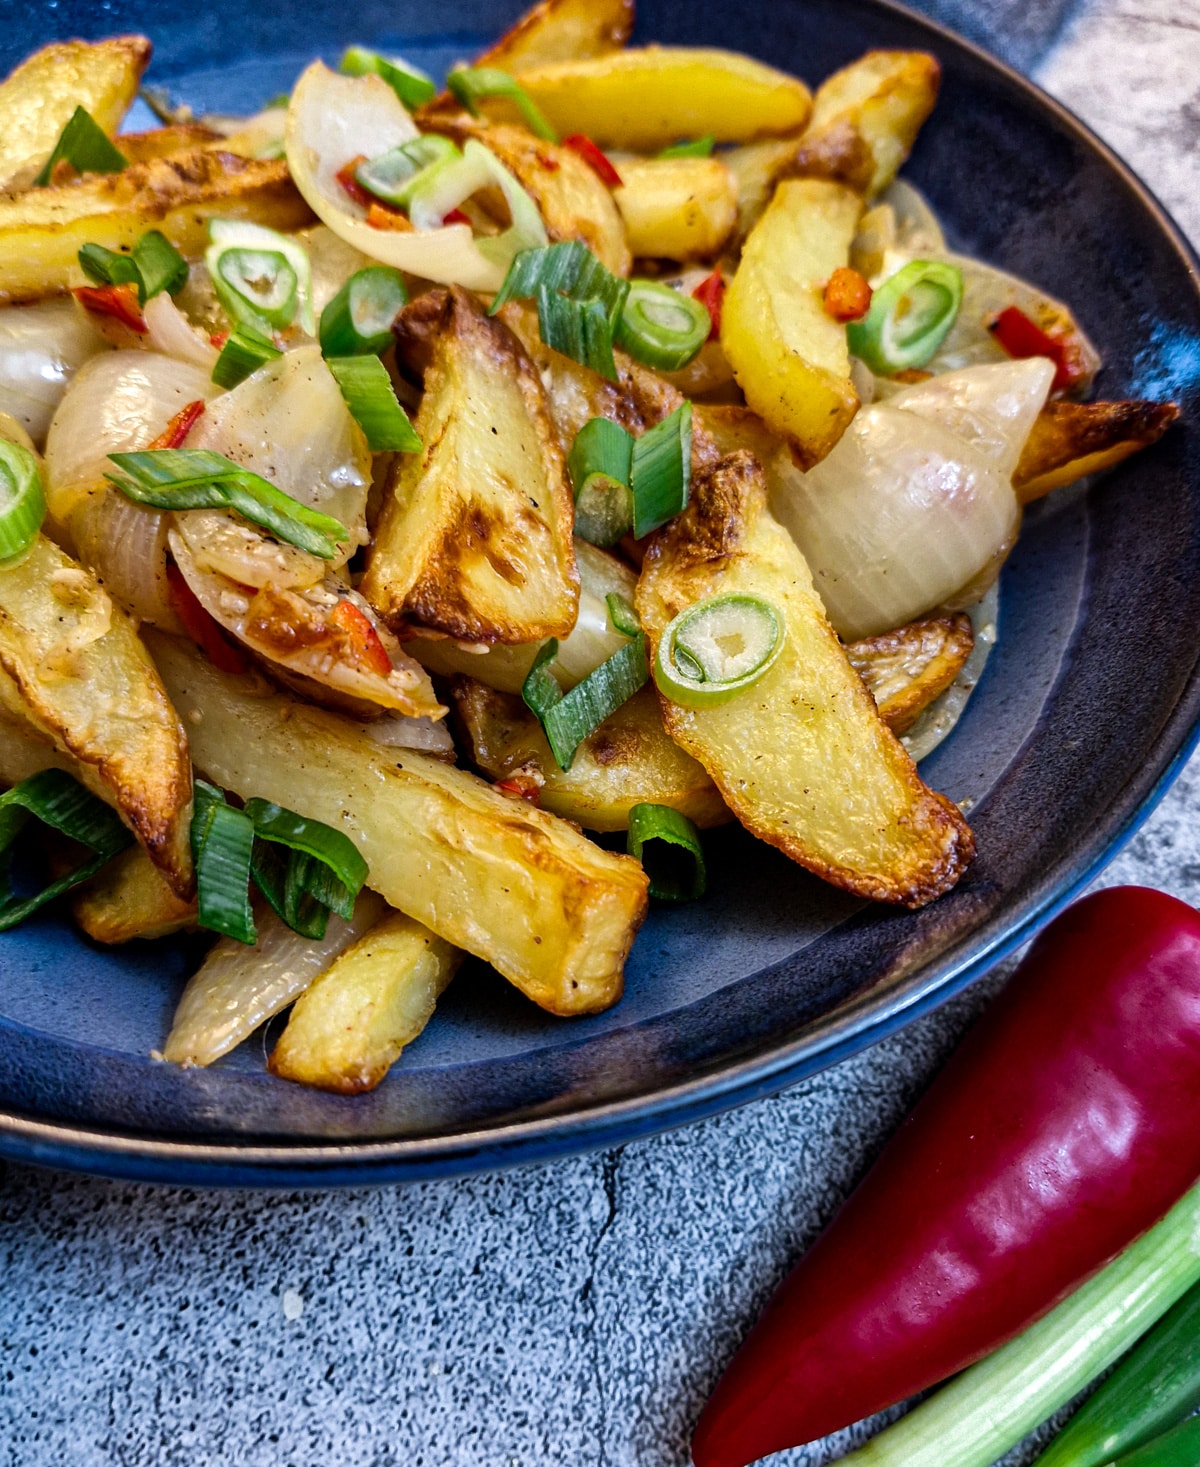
42	346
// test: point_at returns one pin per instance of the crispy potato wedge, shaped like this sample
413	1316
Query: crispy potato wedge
24	752
561	30
1073	439
80	676
756	169
677	208
788	355
348	1028
802	757
646	98
908	668
573	202
130	898
38	99
166	142
732	428
866	117
41	231
513	885
474	538
627	761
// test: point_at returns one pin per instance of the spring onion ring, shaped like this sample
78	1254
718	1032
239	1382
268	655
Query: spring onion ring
717	648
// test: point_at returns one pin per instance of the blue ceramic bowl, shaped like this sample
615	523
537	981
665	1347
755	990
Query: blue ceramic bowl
1084	715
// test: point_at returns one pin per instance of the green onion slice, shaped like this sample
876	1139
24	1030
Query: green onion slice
411	85
358	320
622	614
327	849
109	267
472	85
911	314
222	846
393	176
159	264
600	465
578	329
660	326
662	471
197	478
717	647
243	353
697	148
668	846
22	501
262	278
444	186
568	718
371	398
86	147
568	268
56	800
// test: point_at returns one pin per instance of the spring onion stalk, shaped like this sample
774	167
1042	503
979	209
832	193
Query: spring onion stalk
1178	1448
910	316
262	278
600	466
660	326
22	500
56	800
159	264
395	175
358	320
304	868
568	718
668	846
716	648
472	85
85	146
578	329
622	614
569	268
222	844
987	1409
1153	1388
197	478
697	148
243	353
410	84
371	398
662	471
442	187
108	267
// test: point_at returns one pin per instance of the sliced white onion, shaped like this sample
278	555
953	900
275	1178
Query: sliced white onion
333	263
333	119
42	346
917	228
170	332
126	545
939	719
222	543
412	733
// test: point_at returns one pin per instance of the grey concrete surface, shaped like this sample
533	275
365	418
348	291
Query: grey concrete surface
570	1314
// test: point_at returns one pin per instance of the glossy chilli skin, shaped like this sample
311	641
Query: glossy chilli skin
1062	1128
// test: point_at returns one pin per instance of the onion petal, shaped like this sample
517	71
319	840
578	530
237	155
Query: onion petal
170	332
42	346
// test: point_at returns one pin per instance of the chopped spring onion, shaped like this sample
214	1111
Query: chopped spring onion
717	647
987	1409
55	799
159	264
601	465
411	85
222	844
578	329
910	316
394	176
568	718
697	148
569	268
662	471
109	267
371	398
197	478
358	320
243	353
262	278
668	846
660	326
85	146
22	500
441	188
472	85
1177	1448
622	615
304	868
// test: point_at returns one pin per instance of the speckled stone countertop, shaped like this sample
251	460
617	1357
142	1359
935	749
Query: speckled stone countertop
574	1313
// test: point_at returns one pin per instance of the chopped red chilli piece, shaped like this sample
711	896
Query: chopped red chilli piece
200	626
219	338
595	158
367	648
175	433
456	216
710	293
1020	336
379	216
119	301
847	295
523	786
345	176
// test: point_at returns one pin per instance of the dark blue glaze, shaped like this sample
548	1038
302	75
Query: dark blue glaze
1071	738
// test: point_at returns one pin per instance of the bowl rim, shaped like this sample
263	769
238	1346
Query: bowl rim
117	1153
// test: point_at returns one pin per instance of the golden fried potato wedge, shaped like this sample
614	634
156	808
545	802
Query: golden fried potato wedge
41	232
788	354
515	886
474	538
677	208
802	757
646	98
572	200
166	142
756	169
80	676
23	751
866	117
908	668
1073	439
561	30
38	99
348	1028
130	898
627	761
